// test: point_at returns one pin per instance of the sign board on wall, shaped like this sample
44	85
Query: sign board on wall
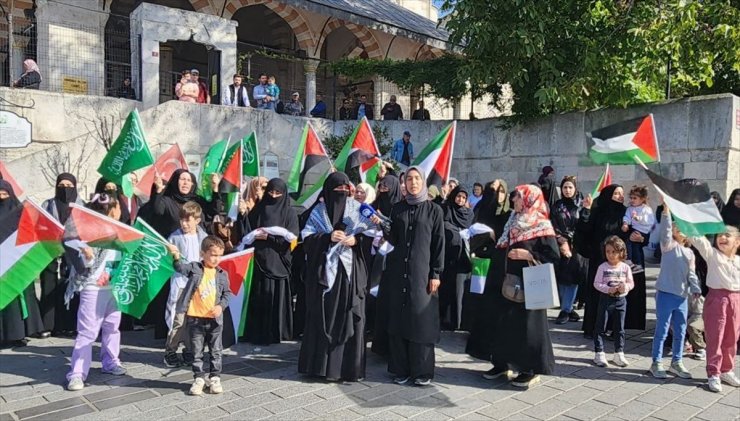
270	167
15	131
74	85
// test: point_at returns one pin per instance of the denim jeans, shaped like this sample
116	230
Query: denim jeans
568	295
669	309
205	331
614	308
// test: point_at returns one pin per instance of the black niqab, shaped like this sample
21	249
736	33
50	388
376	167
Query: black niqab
335	201
385	200
63	196
11	203
731	213
173	190
272	211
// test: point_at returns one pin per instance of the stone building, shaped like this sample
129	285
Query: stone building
90	46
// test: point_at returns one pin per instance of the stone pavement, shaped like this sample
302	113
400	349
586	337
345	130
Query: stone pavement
264	384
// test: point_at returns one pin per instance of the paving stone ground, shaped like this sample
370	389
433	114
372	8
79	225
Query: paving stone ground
264	384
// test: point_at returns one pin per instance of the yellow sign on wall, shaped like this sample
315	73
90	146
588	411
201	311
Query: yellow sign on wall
74	85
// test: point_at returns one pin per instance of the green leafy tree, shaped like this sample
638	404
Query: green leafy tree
565	55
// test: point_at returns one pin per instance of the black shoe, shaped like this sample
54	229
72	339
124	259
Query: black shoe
497	372
562	318
171	360
526	380
573	316
588	336
188	357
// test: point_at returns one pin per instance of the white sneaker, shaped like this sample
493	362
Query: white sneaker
197	388
700	355
116	371
215	385
75	383
730	378
619	360
714	383
600	359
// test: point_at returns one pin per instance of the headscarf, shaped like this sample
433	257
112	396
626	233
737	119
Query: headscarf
532	221
604	205
423	195
731	213
335	201
460	216
11	203
488	207
30	66
577	198
546	170
272	212
100	186
384	201
369	192
250	195
718	200
63	196
173	190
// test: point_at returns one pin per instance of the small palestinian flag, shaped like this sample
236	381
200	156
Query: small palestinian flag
25	252
692	207
239	267
478	274
310	153
436	157
625	142
604	180
369	171
231	181
87	228
360	147
309	197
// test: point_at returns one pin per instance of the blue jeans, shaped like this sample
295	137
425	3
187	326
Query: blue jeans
567	296
669	309
635	252
614	308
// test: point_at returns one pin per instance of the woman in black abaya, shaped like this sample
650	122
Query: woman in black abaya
333	340
57	318
270	311
457	217
21	317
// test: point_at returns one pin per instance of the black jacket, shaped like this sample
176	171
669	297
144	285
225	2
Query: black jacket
368	112
194	272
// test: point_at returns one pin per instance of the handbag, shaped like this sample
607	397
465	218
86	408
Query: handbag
513	286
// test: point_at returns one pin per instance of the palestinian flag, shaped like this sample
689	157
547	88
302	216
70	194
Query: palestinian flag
239	267
360	147
436	157
166	164
604	180
5	175
626	142
87	228
310	196
231	182
478	274
369	171
26	251
310	153
692	207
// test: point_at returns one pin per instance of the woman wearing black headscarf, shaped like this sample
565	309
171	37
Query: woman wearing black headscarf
270	311
389	193
162	212
336	277
57	318
21	317
494	211
548	185
457	217
595	224
731	210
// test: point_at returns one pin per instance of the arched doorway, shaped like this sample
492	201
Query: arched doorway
267	44
342	43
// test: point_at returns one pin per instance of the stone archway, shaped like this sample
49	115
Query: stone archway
292	17
363	34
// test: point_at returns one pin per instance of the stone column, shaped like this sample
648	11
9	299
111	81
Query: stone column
71	44
309	68
456	110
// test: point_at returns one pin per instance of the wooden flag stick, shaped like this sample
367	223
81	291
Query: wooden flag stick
639	162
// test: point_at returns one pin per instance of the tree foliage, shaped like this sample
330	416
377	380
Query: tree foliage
564	55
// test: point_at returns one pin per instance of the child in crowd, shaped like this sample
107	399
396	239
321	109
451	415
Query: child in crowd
695	327
203	302
187	239
676	281
614	280
639	218
571	269
273	89
98	310
722	306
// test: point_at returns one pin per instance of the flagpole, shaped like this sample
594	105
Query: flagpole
223	155
639	161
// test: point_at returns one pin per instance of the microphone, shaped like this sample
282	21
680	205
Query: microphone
367	211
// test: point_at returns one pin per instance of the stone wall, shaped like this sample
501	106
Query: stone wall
699	137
